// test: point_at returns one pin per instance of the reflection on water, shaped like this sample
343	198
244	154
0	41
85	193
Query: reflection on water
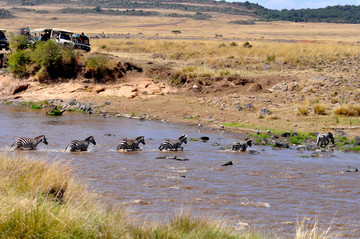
272	190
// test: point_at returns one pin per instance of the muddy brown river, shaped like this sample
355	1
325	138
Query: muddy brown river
270	191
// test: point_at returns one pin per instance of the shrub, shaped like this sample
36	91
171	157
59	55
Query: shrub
320	109
270	58
17	62
18	42
99	66
303	110
233	44
46	54
348	110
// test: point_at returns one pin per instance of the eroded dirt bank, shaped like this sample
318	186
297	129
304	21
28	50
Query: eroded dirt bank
238	103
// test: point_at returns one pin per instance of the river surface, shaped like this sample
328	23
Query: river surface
270	191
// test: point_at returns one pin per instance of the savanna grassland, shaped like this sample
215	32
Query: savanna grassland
300	77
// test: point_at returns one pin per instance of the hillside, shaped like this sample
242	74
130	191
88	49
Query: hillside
334	14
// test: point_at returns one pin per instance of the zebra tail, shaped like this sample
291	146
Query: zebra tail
12	144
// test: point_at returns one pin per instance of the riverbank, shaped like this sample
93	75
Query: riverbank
42	199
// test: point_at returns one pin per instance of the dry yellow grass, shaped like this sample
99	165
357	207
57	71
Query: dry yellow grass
217	53
149	26
320	109
348	110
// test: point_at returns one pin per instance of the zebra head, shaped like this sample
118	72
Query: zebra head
42	138
91	139
141	139
331	137
248	142
183	138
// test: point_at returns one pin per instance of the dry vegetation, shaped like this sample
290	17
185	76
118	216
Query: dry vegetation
42	200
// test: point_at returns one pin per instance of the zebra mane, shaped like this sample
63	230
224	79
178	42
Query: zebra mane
140	137
183	136
40	136
89	138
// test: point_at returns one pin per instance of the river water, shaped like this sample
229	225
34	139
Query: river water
270	191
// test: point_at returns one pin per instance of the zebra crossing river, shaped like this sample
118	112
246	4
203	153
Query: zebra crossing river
270	191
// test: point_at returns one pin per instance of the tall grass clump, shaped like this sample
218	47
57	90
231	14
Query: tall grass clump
348	110
42	200
100	66
303	110
305	230
320	109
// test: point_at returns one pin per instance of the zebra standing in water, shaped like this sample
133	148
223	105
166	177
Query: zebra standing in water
28	143
173	144
239	146
324	139
80	145
131	144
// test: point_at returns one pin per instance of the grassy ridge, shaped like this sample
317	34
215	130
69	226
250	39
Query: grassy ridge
233	54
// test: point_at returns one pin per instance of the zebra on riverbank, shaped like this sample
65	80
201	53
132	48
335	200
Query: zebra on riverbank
173	144
80	145
29	143
324	139
131	144
241	146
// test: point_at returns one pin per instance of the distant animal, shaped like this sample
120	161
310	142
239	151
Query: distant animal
257	131
29	143
324	139
131	144
173	144
80	145
241	146
268	131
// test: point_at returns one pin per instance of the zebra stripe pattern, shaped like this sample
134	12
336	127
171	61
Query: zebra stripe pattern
324	139
241	146
29	143
131	144
80	145
173	144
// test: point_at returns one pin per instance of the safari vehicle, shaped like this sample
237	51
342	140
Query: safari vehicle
4	44
61	36
81	42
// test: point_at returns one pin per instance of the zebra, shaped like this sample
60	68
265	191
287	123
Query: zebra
239	146
131	144
80	145
324	139
29	143
173	144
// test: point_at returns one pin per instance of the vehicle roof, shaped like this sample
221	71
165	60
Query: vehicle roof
49	29
2	30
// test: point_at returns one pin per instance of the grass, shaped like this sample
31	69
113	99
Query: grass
42	200
348	110
320	109
233	54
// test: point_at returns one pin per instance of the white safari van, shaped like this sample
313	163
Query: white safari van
61	36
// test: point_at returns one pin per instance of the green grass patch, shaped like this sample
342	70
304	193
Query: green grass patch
234	125
193	139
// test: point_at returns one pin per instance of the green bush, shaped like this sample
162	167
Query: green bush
17	62
99	66
46	54
18	42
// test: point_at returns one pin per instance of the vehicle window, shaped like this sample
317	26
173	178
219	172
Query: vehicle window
2	35
65	36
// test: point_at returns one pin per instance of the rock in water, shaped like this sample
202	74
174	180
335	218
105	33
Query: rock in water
228	163
352	169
